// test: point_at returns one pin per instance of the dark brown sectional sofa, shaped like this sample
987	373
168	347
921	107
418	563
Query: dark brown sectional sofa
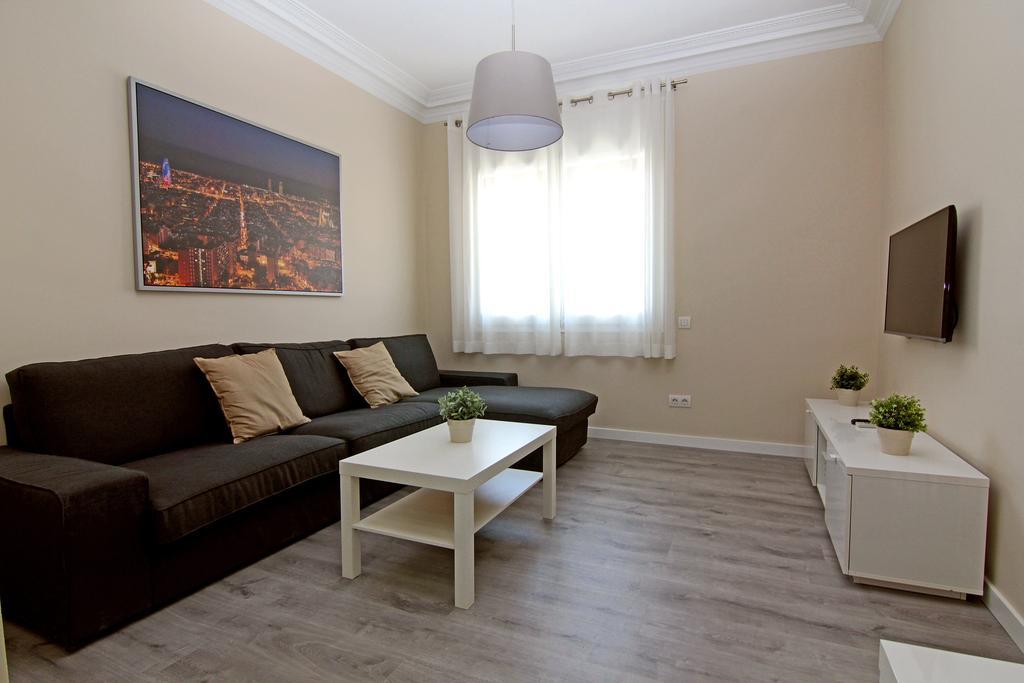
120	489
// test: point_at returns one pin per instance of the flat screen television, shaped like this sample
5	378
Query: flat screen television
919	292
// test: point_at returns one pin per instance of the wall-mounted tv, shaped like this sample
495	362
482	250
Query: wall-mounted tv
922	263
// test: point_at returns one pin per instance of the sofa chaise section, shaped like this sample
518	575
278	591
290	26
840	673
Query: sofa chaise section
476	378
567	409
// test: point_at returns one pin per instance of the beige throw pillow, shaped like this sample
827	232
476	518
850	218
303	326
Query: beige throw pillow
254	393
374	375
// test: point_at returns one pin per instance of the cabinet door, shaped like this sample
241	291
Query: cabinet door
811	446
919	532
837	508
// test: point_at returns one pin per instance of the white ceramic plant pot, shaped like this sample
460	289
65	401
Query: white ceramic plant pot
848	397
461	431
895	441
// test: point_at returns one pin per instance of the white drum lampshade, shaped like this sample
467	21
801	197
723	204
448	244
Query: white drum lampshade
514	106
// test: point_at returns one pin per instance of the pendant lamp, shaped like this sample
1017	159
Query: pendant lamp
514	107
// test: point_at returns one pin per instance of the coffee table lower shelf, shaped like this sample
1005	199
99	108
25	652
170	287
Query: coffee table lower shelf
426	516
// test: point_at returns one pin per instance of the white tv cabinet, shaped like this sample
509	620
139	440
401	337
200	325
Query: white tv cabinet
915	522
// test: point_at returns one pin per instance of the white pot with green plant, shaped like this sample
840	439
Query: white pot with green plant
897	418
847	382
461	408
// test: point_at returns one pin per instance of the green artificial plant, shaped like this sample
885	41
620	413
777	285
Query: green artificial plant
898	412
462	404
850	377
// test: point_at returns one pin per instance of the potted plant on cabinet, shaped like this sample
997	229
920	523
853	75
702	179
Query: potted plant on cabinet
461	408
848	381
897	418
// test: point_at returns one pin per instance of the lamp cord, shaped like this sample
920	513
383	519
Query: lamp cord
513	3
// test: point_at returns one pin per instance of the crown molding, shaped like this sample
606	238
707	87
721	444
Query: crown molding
844	24
880	14
297	27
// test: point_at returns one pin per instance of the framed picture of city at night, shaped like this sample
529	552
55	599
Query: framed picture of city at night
224	205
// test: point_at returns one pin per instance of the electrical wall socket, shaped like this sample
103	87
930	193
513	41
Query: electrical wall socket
679	401
684	322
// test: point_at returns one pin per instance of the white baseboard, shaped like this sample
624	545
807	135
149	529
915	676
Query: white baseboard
711	443
1005	613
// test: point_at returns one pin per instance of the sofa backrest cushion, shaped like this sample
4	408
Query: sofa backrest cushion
413	357
318	380
120	408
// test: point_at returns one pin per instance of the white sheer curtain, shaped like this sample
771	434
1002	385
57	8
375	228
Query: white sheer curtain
568	249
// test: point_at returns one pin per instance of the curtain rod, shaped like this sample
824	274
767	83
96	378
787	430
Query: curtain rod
612	94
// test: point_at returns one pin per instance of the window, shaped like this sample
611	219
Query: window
568	249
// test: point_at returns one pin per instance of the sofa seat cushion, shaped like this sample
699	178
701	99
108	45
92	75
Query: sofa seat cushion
540	405
192	488
368	428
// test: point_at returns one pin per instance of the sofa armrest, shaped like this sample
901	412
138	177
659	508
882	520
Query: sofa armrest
469	378
12	434
73	544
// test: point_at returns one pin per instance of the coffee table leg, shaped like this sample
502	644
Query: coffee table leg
549	479
350	555
465	592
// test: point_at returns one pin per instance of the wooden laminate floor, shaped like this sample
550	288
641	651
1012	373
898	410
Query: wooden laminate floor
664	564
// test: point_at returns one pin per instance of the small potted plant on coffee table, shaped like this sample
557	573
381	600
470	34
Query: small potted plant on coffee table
848	381
461	408
897	418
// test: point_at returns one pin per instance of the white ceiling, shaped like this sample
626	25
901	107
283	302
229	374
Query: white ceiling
439	42
419	55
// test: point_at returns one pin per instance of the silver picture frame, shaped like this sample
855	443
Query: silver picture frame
139	240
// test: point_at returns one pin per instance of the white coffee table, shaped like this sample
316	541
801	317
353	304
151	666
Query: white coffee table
463	487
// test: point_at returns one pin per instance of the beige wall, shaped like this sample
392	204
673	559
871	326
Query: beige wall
778	203
66	264
954	110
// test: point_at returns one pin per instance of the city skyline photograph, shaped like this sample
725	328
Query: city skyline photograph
225	205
